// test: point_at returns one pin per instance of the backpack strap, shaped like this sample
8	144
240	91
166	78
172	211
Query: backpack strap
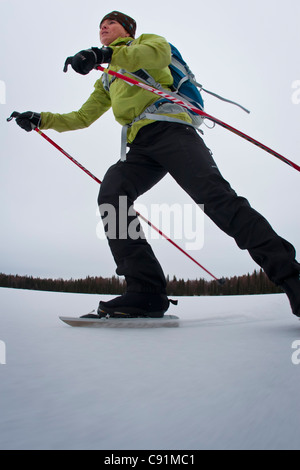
105	77
106	81
153	112
222	98
184	69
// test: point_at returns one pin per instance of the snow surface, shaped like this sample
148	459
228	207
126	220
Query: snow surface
223	380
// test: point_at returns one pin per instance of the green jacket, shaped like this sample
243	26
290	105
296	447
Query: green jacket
150	52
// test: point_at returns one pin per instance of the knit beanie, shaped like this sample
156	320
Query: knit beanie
128	23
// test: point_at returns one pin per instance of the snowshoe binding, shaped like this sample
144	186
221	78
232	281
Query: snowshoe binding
134	305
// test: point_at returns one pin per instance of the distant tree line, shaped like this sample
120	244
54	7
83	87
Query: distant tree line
249	284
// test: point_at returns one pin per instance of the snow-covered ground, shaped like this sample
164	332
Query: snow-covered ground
224	380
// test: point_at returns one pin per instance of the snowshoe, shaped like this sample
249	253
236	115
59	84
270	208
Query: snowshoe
134	305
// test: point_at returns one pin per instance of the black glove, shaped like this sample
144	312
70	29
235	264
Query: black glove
86	60
28	120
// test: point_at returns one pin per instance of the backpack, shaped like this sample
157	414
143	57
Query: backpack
184	82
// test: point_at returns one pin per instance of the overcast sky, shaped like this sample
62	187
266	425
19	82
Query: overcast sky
247	51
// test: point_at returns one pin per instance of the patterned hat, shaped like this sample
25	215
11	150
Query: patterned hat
128	23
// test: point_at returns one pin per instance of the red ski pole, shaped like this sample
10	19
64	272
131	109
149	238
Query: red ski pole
187	105
41	133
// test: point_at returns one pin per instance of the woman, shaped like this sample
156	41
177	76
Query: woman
155	149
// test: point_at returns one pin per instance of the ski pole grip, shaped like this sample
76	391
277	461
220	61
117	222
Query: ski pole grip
13	115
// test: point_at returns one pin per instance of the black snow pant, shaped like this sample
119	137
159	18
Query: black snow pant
162	148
